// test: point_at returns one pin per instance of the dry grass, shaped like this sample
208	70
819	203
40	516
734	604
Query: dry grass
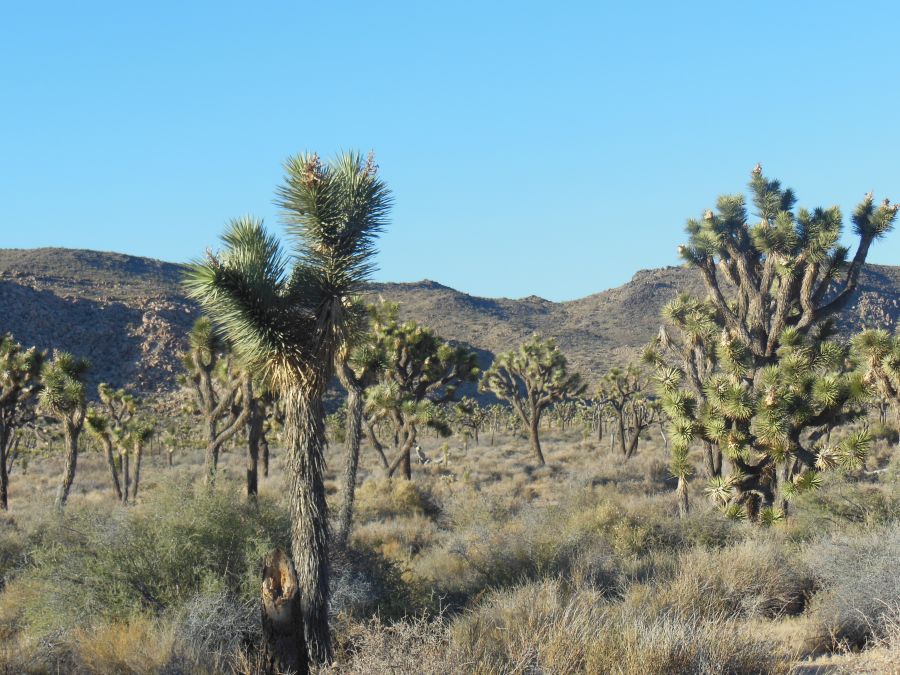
483	563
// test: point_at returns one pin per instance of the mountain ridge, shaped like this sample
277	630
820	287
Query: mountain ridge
130	316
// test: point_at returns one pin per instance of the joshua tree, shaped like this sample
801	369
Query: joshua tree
420	371
63	397
772	383
530	379
468	415
879	355
564	413
215	388
119	431
624	392
496	416
20	371
260	407
289	328
359	367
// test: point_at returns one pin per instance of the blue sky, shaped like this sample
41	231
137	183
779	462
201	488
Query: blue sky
533	148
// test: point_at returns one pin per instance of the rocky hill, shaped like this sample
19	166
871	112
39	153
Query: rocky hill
130	317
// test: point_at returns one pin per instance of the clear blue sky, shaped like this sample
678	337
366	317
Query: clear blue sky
533	148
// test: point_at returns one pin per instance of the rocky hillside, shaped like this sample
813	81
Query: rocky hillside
129	315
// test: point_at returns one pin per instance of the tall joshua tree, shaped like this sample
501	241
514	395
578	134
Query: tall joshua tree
63	397
290	327
771	383
215	387
20	371
530	379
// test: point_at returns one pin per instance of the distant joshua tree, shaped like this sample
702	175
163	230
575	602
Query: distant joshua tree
120	431
63	397
530	379
360	365
421	371
20	376
879	356
290	328
626	392
215	386
752	371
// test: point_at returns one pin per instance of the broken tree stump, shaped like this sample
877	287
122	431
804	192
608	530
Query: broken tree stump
283	647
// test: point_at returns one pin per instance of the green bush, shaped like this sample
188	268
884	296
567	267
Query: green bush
113	564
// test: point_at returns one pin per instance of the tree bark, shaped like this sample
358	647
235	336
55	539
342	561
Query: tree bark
111	463
283	648
681	492
712	459
265	456
126	476
255	422
70	434
534	439
375	443
354	435
4	474
138	455
305	435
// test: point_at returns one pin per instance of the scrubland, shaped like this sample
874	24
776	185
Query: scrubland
479	564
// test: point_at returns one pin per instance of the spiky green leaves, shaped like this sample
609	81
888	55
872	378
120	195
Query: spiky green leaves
287	326
334	211
63	393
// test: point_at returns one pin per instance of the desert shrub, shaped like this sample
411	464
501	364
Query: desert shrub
12	552
543	627
859	579
381	498
137	646
399	538
212	627
871	504
364	583
884	432
414	645
753	579
537	543
151	558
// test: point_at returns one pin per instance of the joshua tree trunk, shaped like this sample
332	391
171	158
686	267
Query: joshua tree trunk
126	477
255	422
681	492
111	463
533	437
305	435
70	434
375	443
138	455
5	442
712	459
265	456
403	460
283	648
354	435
